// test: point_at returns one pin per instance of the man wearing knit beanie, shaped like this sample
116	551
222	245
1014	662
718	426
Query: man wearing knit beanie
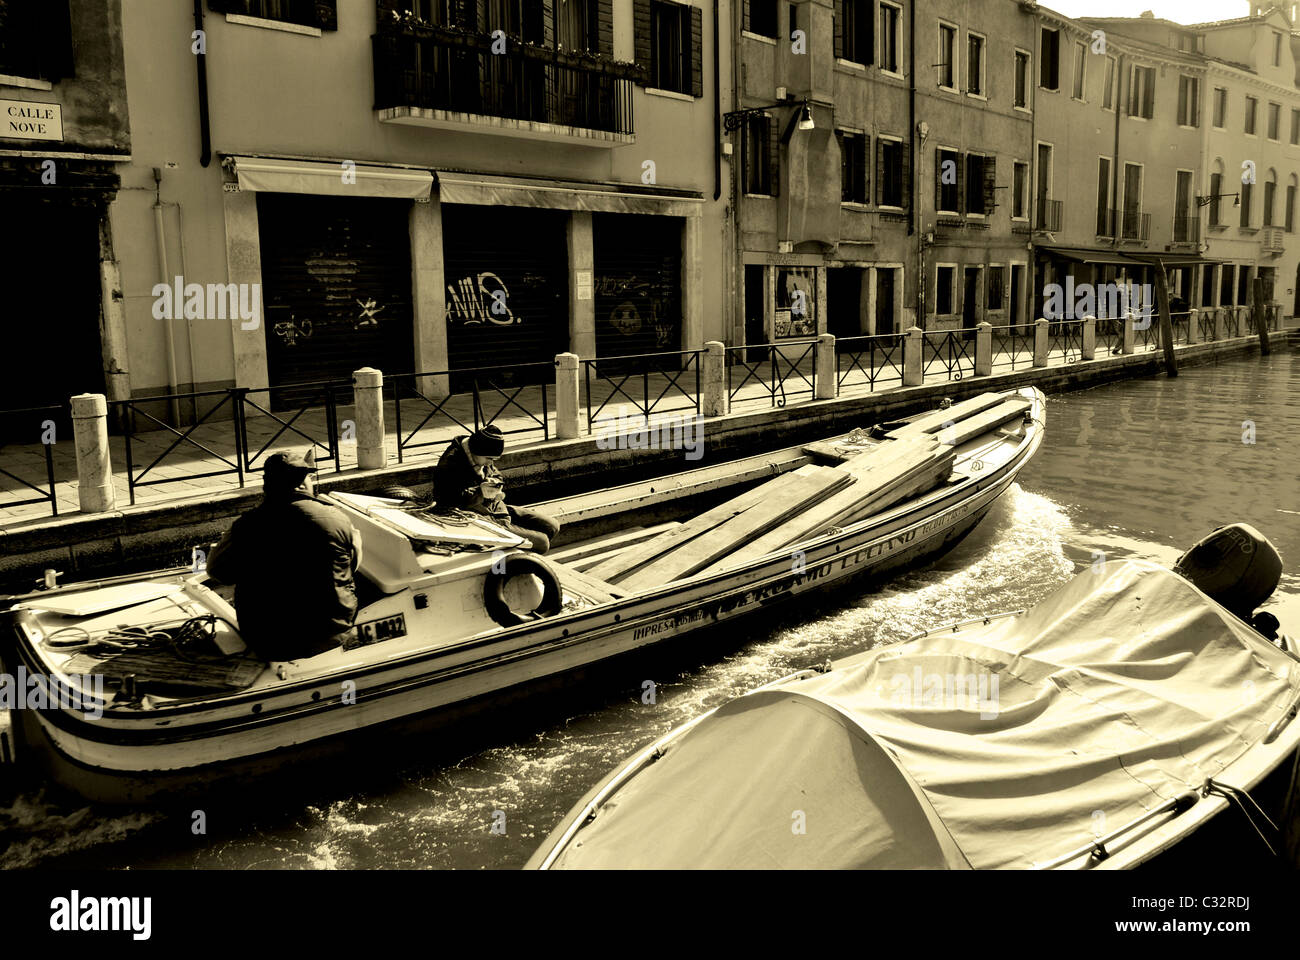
466	478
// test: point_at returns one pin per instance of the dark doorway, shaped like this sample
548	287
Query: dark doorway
886	300
50	311
844	301
755	303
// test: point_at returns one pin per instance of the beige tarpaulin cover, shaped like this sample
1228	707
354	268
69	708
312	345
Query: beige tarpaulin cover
998	746
332	179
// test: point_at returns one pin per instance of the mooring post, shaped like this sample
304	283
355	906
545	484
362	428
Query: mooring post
1220	323
1088	346
566	396
1194	325
713	380
1128	336
1041	339
983	348
1261	315
1166	319
94	467
372	448
827	379
912	376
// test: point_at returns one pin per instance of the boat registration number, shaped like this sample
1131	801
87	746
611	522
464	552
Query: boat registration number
373	631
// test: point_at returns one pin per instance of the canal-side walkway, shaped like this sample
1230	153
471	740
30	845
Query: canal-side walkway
225	453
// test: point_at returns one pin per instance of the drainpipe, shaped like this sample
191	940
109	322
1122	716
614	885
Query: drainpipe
1114	173
717	109
201	62
160	240
914	162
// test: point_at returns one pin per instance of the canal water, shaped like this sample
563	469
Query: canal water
1139	468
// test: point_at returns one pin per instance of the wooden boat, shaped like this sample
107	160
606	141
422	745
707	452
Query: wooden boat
439	631
1129	718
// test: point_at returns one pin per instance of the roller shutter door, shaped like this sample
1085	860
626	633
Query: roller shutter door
336	285
507	286
638	283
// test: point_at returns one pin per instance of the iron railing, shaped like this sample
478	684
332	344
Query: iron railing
667	370
1148	337
1187	229
1065	340
1205	325
1133	224
952	351
1231	322
130	411
773	371
1109	334
1012	347
493	391
1047	214
32	425
883	355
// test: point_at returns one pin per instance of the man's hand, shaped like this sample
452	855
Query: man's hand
491	490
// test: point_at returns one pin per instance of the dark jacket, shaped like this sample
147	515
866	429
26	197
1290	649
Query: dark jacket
456	483
292	562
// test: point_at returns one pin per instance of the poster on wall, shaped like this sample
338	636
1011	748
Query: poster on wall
796	303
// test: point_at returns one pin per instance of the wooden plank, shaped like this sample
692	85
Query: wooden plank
588	586
972	427
615	568
934	421
700	552
841	448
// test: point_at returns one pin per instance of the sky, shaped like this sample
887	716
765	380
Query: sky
1180	11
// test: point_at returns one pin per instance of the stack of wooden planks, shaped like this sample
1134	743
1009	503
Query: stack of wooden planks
870	475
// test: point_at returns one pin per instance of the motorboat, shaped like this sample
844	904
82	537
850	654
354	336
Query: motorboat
142	684
1136	716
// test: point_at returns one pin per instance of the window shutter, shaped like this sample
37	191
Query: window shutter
990	185
938	178
641	38
905	152
866	168
839	29
54	35
744	15
846	168
880	171
697	52
961	183
605	27
1149	95
774	155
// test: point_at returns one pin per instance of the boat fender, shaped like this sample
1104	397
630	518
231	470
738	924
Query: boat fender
515	565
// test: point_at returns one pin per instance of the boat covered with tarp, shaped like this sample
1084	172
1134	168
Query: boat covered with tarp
1101	726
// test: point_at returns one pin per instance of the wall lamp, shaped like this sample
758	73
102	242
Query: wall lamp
1206	201
738	118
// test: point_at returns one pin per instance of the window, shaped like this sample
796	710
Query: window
1270	193
1277	49
756	156
761	17
890	16
995	295
979	185
853	167
1290	207
1184	231
1274	121
1216	187
945	279
670	31
305	12
1142	92
948	180
1105	225
1220	107
1189	101
1249	126
1295	126
1080	59
854	33
1049	56
975	64
1226	286
1132	225
1020	180
1108	93
891	167
1247	189
1021	81
946	63
35	40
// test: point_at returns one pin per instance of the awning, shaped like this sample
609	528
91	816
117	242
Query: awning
490	190
1084	255
331	179
1176	259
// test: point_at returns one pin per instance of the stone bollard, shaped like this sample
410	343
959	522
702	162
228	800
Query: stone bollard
1220	326
1193	325
827	379
713	380
912	376
1040	342
1088	348
566	396
94	469
983	348
372	447
1127	336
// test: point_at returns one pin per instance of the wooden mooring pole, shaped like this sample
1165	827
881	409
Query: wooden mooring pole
1166	321
1260	311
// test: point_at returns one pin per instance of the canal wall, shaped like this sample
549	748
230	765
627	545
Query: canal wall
145	537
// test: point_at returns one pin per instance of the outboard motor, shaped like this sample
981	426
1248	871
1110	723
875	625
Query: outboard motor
1236	566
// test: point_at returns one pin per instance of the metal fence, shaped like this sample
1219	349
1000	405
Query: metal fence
32	425
877	359
1012	347
660	376
950	351
774	370
1065	341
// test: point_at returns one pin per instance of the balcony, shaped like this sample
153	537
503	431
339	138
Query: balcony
1272	239
436	77
1133	224
1047	214
1106	223
1187	229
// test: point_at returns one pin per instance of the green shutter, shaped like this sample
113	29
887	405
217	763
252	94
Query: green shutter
774	155
605	27
642	49
990	185
906	200
839	29
697	53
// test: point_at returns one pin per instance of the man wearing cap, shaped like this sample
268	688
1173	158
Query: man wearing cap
292	560
466	478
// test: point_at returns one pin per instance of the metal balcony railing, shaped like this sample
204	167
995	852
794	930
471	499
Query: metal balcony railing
1105	222
1187	229
1133	224
439	69
1047	214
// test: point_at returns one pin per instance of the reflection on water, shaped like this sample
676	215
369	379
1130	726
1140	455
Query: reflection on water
1140	468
